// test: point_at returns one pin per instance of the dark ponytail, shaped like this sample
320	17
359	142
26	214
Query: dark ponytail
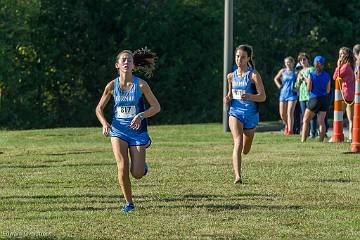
144	60
251	64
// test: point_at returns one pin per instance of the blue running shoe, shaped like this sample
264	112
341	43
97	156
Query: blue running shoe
129	207
146	169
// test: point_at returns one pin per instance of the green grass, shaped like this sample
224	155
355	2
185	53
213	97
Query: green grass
61	184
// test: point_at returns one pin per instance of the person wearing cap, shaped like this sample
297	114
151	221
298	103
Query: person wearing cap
318	85
344	72
285	80
303	93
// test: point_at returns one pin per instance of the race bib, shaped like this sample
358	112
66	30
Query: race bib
236	93
125	112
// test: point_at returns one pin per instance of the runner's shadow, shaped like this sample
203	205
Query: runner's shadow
75	152
196	201
338	180
58	197
71	153
54	200
54	166
79	209
210	197
39	236
55	203
355	153
248	207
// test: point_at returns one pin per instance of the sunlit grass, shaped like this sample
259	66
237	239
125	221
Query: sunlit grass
61	184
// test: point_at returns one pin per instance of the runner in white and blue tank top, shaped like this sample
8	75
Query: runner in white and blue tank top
245	91
127	105
128	130
244	110
285	80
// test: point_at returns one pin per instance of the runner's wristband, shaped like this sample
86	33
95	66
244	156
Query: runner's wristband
140	115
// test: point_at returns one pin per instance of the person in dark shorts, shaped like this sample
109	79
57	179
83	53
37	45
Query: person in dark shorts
318	85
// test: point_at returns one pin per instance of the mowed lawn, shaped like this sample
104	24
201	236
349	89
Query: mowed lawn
62	184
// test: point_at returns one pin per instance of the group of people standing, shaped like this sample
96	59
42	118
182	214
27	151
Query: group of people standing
310	86
307	83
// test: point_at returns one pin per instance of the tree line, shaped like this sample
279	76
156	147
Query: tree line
57	56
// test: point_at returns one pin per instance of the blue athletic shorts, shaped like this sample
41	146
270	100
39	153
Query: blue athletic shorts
288	97
287	94
132	137
249	121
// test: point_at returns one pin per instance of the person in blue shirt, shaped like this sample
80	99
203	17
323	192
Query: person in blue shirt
285	80
128	130
318	85
245	90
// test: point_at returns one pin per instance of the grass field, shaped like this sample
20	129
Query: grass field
61	184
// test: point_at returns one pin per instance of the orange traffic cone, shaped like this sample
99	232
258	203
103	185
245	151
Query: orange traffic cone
338	135
355	145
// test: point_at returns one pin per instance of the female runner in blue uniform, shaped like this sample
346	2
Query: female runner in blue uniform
285	80
246	89
128	130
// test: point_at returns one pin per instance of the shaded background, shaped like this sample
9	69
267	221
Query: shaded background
57	56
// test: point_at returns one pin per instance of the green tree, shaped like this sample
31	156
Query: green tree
57	56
